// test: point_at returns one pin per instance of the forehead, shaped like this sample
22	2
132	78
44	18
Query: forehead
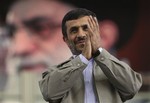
77	22
28	10
109	30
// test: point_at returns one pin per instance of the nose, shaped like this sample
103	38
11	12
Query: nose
81	33
23	44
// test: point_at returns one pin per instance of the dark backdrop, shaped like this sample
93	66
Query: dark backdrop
133	19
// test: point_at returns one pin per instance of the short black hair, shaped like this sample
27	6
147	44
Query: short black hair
75	14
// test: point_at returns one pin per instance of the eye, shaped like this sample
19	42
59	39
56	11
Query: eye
85	27
38	27
73	30
10	30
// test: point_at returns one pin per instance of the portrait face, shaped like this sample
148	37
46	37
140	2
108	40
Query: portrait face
109	34
36	38
77	31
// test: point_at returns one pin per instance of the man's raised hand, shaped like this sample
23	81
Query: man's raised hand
94	34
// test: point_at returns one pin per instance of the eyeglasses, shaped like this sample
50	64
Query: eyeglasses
38	26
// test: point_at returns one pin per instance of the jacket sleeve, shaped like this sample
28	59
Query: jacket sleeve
59	79
121	76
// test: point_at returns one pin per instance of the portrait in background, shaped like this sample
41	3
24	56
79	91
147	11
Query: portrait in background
35	42
35	34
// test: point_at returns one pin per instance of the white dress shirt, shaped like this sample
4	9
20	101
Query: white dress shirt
89	96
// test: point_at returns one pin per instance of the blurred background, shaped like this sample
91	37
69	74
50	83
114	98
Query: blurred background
125	31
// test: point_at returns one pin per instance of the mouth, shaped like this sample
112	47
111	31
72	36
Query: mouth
80	45
80	42
30	65
33	67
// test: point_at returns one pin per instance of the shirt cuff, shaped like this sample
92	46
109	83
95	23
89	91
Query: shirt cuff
100	49
83	59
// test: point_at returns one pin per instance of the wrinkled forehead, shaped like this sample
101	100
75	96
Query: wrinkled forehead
28	10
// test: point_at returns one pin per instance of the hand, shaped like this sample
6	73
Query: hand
94	34
87	51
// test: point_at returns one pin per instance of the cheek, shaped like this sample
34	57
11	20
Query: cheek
71	37
51	45
46	46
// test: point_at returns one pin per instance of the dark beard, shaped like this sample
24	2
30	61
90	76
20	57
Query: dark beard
74	50
73	46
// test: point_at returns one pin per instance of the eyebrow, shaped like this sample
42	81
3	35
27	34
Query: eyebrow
85	25
41	19
36	20
73	28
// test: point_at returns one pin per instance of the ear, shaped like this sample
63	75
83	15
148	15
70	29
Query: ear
65	39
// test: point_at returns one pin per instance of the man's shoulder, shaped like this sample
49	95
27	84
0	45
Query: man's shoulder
63	63
72	61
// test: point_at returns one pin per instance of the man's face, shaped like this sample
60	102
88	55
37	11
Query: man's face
109	34
77	31
36	37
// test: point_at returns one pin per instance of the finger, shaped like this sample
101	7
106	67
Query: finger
88	36
96	23
91	25
90	30
92	21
